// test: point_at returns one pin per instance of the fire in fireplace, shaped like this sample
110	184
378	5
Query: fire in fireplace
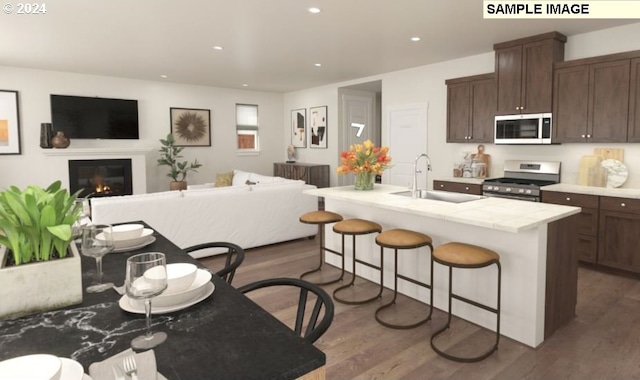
99	178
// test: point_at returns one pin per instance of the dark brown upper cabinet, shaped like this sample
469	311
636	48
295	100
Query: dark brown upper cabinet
471	105
524	73
634	102
594	100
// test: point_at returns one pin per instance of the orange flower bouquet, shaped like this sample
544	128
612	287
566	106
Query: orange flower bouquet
365	161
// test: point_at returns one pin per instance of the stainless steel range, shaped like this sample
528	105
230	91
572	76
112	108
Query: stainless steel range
522	180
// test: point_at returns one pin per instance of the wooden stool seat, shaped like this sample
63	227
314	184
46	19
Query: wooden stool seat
320	217
356	227
467	256
403	239
463	255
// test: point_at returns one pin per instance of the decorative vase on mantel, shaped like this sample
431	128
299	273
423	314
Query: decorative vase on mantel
60	141
365	180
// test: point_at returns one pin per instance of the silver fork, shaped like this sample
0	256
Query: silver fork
130	368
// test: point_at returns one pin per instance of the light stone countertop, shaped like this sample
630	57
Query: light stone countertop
474	181
489	212
592	190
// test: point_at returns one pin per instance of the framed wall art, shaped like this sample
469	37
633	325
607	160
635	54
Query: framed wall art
191	126
9	122
298	128
318	127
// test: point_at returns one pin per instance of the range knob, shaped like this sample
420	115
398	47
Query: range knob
508	189
489	187
528	191
521	191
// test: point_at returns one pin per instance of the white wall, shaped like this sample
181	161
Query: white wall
154	101
426	84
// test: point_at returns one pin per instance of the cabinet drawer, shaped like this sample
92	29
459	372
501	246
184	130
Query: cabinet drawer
620	204
570	199
588	222
458	187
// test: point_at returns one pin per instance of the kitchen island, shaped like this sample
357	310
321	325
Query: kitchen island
539	278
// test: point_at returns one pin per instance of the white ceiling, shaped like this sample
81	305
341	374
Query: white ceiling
270	45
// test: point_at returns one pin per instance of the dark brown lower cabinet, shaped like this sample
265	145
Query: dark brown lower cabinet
458	187
619	240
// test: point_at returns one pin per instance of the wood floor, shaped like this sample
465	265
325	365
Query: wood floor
602	342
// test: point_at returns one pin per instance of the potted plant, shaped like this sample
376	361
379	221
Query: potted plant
39	266
169	155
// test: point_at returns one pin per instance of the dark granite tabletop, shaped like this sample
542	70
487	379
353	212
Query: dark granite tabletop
226	336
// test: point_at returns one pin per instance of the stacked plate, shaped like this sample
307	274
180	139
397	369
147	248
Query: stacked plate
41	366
126	243
200	289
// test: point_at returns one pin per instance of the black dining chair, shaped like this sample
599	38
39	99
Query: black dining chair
234	257
314	329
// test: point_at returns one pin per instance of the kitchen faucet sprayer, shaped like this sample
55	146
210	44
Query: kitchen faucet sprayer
414	189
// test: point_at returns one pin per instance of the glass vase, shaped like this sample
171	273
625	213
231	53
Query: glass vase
365	180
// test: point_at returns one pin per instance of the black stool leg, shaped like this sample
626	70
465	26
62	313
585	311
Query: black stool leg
446	326
395	294
322	250
353	278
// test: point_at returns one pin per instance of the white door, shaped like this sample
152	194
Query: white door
358	125
407	140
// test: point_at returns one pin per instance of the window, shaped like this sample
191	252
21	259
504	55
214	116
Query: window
247	128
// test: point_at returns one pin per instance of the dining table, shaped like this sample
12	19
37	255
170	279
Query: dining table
225	336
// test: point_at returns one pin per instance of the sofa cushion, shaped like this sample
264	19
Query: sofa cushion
241	178
258	178
215	190
202	186
224	179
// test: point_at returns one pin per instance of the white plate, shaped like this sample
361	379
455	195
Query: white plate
126	305
193	291
36	366
618	172
146	233
150	239
71	370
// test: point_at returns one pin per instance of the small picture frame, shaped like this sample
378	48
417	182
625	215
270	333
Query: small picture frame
191	126
9	122
298	128
318	127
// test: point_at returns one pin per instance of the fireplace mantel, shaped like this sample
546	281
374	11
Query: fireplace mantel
95	151
59	162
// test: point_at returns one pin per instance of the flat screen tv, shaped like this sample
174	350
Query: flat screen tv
82	117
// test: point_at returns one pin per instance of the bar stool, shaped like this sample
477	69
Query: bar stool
403	239
321	218
354	227
467	256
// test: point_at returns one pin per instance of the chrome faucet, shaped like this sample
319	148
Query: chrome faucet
414	189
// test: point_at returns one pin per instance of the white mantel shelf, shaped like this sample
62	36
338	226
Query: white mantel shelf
94	151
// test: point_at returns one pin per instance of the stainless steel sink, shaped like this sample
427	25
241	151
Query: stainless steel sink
443	196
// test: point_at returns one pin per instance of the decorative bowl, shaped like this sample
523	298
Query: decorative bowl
125	232
195	290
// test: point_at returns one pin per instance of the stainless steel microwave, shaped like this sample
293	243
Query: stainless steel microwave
523	129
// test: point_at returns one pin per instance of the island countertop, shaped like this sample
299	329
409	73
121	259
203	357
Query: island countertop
489	212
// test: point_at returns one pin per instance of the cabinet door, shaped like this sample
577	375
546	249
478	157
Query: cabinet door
509	79
537	77
619	240
570	104
634	102
483	108
608	101
458	112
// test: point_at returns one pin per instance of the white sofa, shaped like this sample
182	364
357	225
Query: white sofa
247	215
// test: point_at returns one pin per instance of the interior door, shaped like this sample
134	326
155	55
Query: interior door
407	140
358	125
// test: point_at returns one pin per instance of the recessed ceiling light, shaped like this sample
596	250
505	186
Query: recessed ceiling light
415	39
314	10
218	48
163	76
317	64
245	85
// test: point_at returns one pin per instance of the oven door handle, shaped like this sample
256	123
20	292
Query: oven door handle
518	197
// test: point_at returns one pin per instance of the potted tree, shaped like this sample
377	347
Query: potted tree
39	266
170	155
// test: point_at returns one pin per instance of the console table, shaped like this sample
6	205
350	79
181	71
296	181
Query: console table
312	174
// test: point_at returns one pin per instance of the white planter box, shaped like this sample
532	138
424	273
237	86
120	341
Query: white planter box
40	286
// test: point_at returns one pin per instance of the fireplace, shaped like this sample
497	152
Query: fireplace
103	177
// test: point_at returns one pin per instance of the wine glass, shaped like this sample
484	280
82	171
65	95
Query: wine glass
97	241
146	277
84	218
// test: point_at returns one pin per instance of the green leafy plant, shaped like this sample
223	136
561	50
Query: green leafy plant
35	223
170	155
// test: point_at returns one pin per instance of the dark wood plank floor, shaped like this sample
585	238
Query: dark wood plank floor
603	342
